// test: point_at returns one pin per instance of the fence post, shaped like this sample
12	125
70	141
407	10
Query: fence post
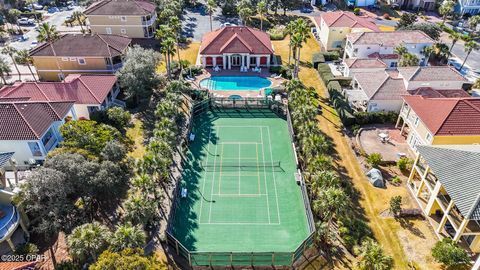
176	246
251	259
273	258
231	259
210	259
189	259
293	258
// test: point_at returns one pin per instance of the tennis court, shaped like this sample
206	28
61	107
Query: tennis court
241	190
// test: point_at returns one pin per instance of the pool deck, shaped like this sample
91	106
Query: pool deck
207	73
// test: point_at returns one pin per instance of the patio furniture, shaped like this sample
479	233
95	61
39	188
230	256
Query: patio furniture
216	69
184	193
384	137
278	77
191	137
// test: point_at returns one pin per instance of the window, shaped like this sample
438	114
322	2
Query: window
108	30
428	137
393	64
64	59
123	31
416	121
123	18
81	61
73	59
355	50
60	76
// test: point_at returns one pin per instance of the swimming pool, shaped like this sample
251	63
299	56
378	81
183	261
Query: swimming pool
220	83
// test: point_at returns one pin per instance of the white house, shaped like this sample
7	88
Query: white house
382	45
355	65
414	4
382	91
89	92
31	128
471	7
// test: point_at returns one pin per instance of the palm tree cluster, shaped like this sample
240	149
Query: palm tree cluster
326	190
168	35
299	32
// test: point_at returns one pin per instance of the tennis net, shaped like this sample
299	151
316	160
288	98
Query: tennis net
240	166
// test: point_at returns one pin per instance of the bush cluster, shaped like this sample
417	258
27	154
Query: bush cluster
364	118
277	33
340	104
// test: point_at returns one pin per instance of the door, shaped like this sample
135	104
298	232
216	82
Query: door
236	60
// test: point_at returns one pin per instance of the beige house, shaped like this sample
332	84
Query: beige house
440	120
334	26
80	54
135	19
444	181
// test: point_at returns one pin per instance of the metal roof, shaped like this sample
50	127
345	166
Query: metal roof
456	167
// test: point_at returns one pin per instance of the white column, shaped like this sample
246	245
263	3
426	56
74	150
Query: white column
230	62
204	63
258	61
248	61
459	233
214	61
243	60
268	61
224	62
433	196
10	243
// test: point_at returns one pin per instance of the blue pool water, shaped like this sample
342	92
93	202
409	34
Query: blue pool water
235	83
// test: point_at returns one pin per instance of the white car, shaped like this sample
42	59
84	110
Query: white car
34	44
37	6
25	21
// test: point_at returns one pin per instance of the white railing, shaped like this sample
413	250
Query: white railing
11	223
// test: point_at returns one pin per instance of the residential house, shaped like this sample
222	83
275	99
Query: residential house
79	54
31	128
444	183
464	7
89	92
131	18
427	5
236	46
334	26
382	45
375	90
356	65
440	120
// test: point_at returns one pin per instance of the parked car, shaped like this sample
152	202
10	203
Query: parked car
33	44
53	9
25	21
22	38
37	6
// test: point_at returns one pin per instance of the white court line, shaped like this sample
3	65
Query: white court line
265	176
236	142
240	158
241	126
239	195
232	223
213	179
205	174
273	172
236	174
239	149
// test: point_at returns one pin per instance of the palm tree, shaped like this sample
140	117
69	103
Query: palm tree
401	50
446	9
24	58
128	236
455	37
176	26
332	202
302	31
168	48
244	10
48	33
409	60
4	69
427	52
372	256
469	47
441	51
211	7
88	241
10	51
261	10
78	16
290	30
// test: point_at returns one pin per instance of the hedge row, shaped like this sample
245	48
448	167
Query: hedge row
321	57
364	118
325	73
340	104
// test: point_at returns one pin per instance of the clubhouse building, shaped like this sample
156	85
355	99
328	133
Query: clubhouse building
236	46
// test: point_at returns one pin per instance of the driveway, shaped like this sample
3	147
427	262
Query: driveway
196	22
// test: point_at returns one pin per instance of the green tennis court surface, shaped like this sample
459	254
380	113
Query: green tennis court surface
242	194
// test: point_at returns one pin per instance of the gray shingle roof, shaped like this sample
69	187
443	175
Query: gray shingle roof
5	157
456	167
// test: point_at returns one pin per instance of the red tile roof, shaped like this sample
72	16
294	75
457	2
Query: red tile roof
17	265
346	19
236	39
437	93
29	120
83	89
364	63
383	56
120	7
447	116
78	45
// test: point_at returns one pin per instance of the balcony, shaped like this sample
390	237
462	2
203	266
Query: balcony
9	221
52	142
149	22
115	67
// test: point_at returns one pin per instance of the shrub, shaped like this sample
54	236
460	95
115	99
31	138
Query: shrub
353	231
325	72
282	70
27	249
344	81
317	58
374	159
404	164
355	129
331	55
449	253
356	11
364	118
396	180
396	205
277	33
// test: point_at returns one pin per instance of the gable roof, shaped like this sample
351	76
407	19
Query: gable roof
364	63
431	73
236	39
94	45
346	19
454	166
389	39
447	116
30	120
120	7
83	89
439	93
381	85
